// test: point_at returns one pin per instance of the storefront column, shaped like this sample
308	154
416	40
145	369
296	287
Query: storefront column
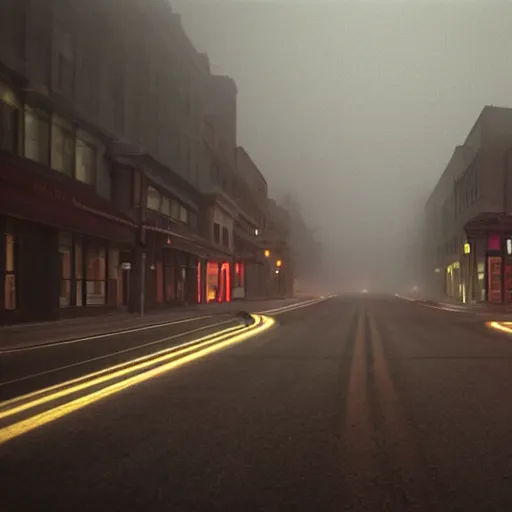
39	273
137	280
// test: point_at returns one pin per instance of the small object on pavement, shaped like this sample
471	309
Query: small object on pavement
246	317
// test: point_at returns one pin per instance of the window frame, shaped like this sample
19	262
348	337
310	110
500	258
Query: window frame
94	152
10	103
41	120
69	131
151	188
12	272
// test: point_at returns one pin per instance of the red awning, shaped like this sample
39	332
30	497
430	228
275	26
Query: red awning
63	216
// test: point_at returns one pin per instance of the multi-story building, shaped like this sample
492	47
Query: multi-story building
98	204
468	216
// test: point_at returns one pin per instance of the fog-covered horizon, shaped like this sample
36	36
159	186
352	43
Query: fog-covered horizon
355	108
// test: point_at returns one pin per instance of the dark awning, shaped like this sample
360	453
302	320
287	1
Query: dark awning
485	223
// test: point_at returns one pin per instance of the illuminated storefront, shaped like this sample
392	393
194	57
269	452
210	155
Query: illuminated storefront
453	281
218	282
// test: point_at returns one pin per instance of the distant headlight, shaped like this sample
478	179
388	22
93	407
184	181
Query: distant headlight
365	291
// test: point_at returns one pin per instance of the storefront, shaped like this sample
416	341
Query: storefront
491	235
61	246
218	281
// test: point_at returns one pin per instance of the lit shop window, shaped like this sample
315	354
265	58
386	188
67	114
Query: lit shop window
95	264
10	272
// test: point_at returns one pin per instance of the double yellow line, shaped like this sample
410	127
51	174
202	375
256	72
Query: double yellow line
80	392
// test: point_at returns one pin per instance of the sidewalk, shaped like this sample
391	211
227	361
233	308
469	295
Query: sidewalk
475	307
20	335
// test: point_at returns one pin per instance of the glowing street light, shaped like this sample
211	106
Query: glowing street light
279	263
256	232
267	253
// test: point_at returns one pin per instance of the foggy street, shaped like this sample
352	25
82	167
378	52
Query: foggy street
352	403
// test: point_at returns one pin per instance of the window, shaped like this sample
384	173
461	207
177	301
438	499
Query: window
63	149
153	199
37	133
175	210
216	232
166	206
10	272
183	214
85	161
9	120
95	264
225	237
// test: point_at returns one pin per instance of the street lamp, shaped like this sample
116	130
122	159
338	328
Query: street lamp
279	263
267	253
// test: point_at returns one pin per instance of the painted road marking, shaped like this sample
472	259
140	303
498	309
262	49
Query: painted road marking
122	365
364	437
501	326
262	324
118	352
106	374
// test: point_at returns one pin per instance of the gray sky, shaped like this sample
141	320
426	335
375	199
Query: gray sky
355	107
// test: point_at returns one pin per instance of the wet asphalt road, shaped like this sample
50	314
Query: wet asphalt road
350	404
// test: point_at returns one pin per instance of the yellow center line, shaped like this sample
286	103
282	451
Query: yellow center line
26	425
409	467
114	372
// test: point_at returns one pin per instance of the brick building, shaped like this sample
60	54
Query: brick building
467	249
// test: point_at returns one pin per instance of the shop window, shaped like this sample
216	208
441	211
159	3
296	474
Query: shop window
95	264
63	149
85	162
183	215
65	253
10	272
166	206
153	199
9	120
37	133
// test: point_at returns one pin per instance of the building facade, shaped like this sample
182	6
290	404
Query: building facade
98	206
119	180
467	252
